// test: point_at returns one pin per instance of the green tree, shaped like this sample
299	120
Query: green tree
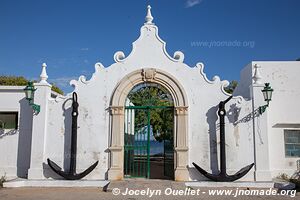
161	119
13	80
231	87
56	89
21	81
151	95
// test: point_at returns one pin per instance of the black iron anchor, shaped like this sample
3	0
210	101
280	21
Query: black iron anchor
223	176
71	174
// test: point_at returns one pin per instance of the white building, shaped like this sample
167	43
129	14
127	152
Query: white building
271	140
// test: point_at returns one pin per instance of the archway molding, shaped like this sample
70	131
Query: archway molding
117	104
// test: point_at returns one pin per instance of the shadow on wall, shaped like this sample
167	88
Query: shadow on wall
233	114
195	174
248	117
67	137
4	133
211	119
109	142
24	141
106	173
48	172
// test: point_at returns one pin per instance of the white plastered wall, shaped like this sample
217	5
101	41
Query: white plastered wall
15	145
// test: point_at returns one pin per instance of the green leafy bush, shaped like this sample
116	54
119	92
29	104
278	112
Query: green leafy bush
283	176
231	87
21	81
295	178
57	89
13	80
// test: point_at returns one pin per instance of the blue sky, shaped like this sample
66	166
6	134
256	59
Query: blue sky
72	35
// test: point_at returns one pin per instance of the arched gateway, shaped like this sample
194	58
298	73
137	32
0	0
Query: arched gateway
117	108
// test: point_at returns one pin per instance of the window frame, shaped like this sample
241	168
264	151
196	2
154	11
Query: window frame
16	113
284	142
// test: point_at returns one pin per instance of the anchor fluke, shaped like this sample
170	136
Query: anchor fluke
69	175
224	177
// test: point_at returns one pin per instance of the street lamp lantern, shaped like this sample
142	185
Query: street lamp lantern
267	93
29	93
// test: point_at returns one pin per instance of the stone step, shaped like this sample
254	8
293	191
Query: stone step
55	183
235	184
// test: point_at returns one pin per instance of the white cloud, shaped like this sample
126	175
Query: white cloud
192	3
84	49
62	82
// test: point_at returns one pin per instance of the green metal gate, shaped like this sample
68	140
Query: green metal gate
139	129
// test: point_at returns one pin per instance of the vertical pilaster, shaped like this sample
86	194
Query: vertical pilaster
39	126
181	143
116	147
39	131
260	136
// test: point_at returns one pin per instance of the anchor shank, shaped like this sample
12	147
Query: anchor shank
74	134
222	114
222	144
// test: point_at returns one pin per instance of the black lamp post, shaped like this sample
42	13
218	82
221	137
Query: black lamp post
29	93
267	92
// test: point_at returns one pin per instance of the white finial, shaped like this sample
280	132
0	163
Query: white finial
43	75
257	77
149	17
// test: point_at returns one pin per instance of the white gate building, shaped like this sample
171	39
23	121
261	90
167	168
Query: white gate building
270	140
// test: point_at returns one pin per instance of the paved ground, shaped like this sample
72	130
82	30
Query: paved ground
159	187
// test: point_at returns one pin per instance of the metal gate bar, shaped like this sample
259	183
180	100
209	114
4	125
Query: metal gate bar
137	141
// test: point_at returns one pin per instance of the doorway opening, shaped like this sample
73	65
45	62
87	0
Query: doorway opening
149	132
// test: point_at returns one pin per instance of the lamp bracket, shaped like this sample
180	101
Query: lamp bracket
263	108
35	107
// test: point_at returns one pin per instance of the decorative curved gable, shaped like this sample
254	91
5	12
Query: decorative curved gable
149	44
149	51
